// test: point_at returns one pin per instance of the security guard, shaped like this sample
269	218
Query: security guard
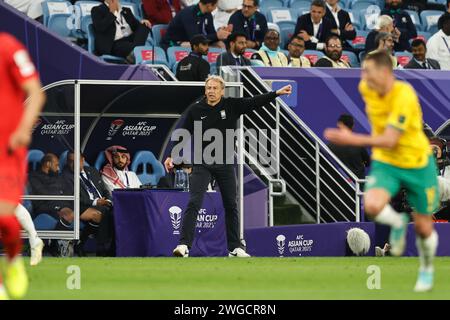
192	20
219	114
194	67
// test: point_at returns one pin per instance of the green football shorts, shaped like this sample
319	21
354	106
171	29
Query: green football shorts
421	184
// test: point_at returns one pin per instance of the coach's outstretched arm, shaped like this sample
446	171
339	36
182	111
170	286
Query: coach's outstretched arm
21	137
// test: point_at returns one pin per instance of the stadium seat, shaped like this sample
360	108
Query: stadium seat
144	54
58	24
143	159
91	48
213	53
158	32
415	19
287	29
361	4
360	40
213	68
279	14
34	158
355	22
422	35
266	5
100	161
63	160
351	58
50	8
85	8
45	222
175	54
249	52
313	55
368	17
429	20
361	56
403	57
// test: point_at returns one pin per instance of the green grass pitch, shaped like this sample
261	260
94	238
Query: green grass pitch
225	278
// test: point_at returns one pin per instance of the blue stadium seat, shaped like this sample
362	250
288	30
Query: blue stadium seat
175	54
174	68
287	29
158	32
313	55
422	35
85	8
257	63
361	4
355	20
351	58
368	17
213	54
144	54
360	41
296	4
415	19
63	160
50	8
249	52
58	24
100	161
91	47
279	14
361	56
34	158
142	159
429	20
403	57
266	5
45	222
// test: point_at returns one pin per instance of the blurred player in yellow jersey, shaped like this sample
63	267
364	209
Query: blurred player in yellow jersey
401	157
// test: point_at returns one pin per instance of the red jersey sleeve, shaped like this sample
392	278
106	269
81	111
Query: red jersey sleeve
17	59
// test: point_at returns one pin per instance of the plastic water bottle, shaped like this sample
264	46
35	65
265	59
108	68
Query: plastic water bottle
181	180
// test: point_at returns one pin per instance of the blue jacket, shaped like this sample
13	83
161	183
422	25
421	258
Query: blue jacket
255	28
187	23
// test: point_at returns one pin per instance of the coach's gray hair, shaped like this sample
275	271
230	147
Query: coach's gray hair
216	78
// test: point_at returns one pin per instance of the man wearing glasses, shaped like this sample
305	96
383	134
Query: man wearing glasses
296	48
251	22
333	54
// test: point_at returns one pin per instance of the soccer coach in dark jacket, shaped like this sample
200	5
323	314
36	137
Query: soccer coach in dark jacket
216	112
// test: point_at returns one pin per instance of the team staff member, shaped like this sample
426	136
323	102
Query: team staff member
216	112
194	67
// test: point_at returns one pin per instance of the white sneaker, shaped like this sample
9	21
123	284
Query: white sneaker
181	251
424	281
36	253
239	252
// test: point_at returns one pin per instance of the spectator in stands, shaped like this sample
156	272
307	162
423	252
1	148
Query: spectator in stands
251	22
354	158
342	19
270	53
161	11
194	67
46	181
446	13
32	8
235	54
115	173
117	31
188	3
94	201
193	20
404	28
314	27
385	42
225	9
296	48
439	44
384	24
419	50
333	54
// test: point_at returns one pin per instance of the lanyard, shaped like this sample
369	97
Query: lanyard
446	44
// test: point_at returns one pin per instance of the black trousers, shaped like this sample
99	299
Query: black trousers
123	47
226	178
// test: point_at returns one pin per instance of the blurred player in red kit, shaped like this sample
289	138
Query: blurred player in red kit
18	80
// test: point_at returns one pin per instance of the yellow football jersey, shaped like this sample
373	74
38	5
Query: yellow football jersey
400	109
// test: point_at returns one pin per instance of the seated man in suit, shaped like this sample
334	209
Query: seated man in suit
333	54
296	48
237	43
117	31
419	51
342	19
314	27
95	200
115	173
270	53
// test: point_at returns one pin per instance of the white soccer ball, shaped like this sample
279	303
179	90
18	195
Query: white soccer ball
358	240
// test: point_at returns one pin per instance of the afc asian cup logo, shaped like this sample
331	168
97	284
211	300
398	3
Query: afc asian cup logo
175	216
281	241
115	126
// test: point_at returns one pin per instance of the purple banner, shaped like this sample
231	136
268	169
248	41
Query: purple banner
324	94
148	223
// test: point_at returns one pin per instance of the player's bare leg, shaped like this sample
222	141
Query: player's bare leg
376	203
16	280
426	242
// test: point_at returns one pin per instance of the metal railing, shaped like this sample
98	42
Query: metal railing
309	171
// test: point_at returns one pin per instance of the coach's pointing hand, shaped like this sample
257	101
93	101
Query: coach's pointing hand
285	90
